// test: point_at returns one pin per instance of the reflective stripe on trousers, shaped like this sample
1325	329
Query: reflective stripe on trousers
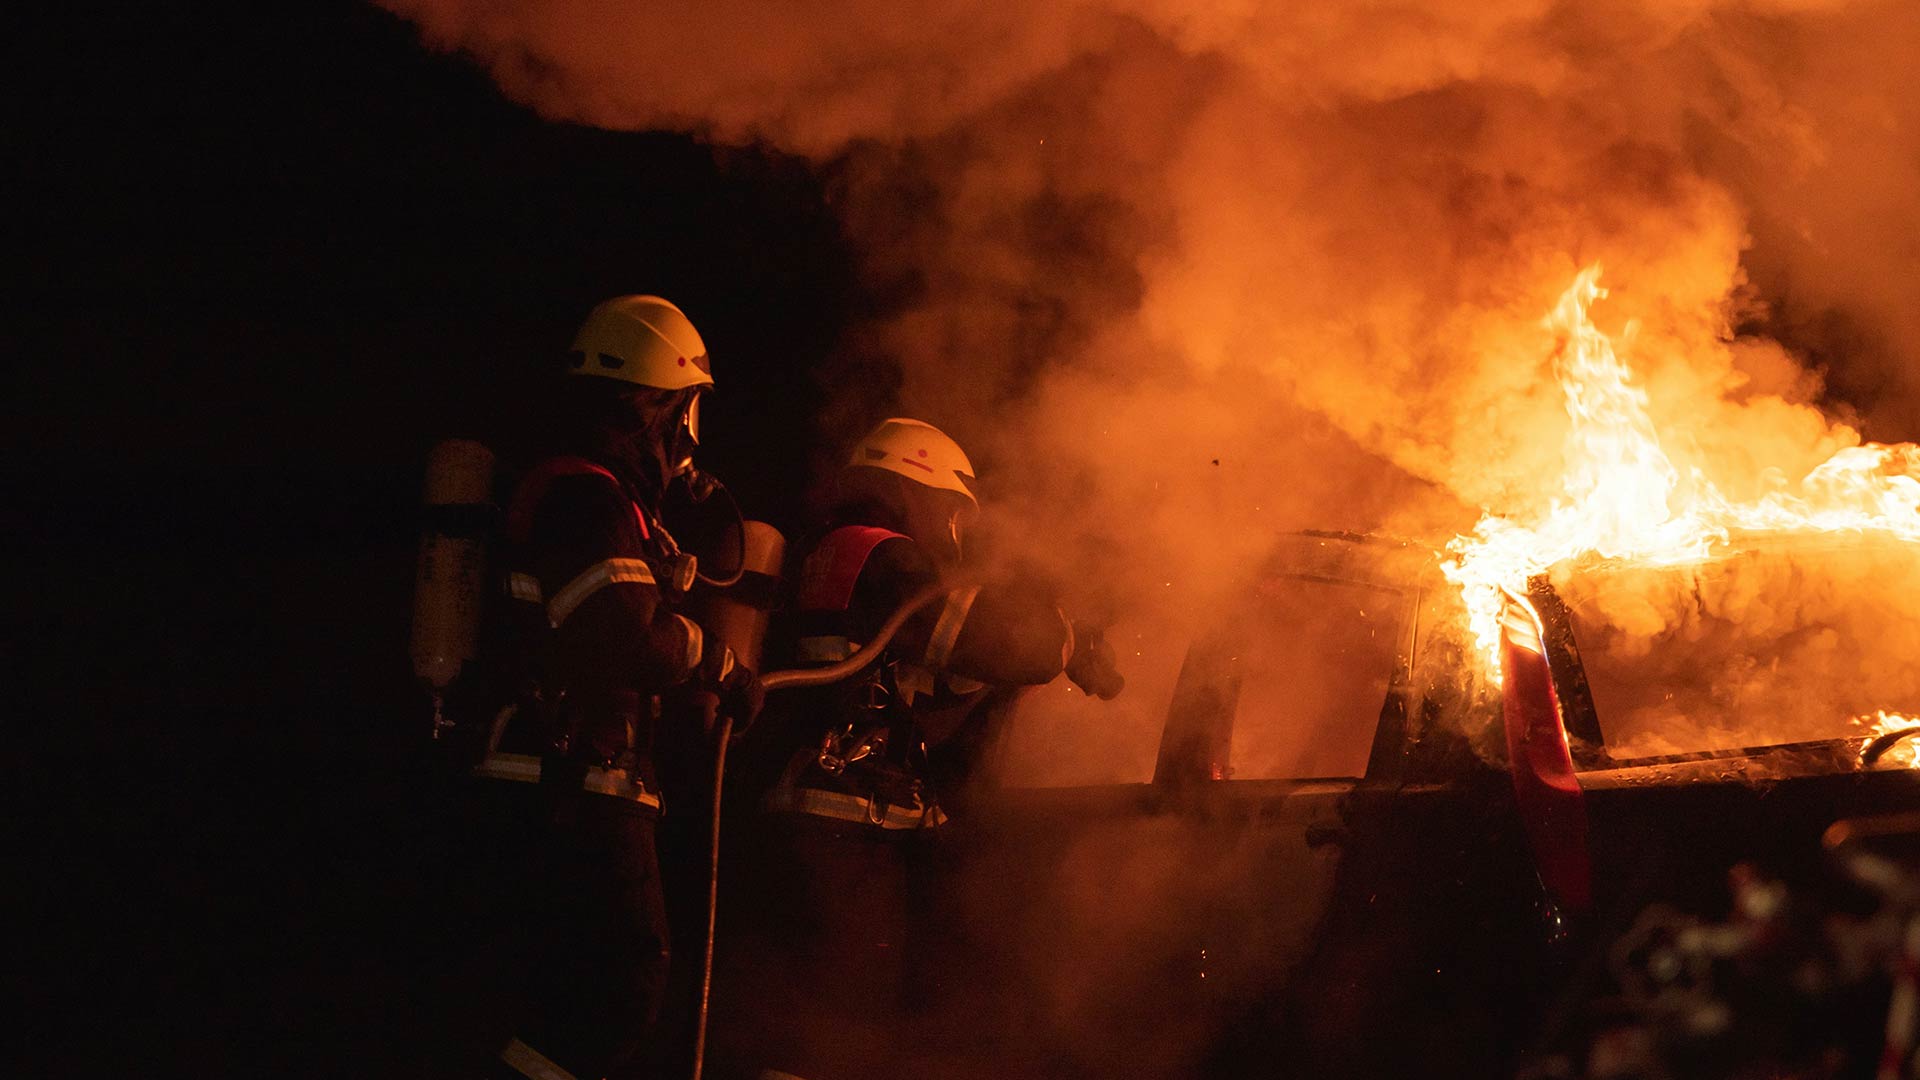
525	768
795	799
531	1063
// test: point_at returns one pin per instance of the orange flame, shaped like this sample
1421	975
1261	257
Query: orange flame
1620	495
1904	753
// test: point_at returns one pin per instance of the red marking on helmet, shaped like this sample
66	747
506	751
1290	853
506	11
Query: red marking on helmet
916	464
923	451
683	361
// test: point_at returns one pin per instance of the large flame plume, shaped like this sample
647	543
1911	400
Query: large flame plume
1622	498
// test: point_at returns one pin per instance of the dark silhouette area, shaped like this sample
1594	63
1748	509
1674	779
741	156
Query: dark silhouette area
270	254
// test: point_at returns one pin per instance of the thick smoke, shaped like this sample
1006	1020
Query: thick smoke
1182	274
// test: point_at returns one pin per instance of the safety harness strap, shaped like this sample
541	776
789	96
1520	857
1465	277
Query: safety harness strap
946	630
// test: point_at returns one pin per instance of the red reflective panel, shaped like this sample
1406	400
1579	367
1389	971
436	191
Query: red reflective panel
1552	809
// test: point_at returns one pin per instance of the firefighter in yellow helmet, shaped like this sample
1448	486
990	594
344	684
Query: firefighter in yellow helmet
905	502
857	806
599	641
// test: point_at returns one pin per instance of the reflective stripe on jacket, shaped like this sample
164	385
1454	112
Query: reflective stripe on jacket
584	562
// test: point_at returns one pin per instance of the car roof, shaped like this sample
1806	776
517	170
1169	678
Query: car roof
1362	558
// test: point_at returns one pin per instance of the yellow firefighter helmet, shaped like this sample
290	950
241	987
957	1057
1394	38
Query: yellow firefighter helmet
642	340
918	451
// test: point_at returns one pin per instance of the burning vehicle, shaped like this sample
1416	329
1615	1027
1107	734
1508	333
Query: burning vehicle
1381	817
1397	868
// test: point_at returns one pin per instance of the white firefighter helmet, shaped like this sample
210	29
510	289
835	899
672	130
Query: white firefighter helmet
642	340
918	451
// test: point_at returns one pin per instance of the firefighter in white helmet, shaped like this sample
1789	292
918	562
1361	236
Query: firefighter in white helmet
856	806
571	788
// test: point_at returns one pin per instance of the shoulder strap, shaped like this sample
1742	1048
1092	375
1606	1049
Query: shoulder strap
829	574
532	490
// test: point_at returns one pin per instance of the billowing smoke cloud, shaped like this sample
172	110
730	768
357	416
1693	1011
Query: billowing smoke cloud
1182	274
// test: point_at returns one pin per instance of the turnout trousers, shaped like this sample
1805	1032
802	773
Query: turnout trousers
825	953
571	927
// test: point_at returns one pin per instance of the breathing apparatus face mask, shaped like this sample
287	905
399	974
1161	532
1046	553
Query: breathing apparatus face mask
940	520
957	524
685	439
961	519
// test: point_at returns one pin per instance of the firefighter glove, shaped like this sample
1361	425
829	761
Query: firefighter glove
741	696
1092	666
738	689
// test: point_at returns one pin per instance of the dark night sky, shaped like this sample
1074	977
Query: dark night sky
269	253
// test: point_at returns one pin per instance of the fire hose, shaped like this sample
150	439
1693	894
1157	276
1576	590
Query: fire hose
792	679
798	678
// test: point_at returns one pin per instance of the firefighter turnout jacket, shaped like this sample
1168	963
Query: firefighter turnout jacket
590	577
867	758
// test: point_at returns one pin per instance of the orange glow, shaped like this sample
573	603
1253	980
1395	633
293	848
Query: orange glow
1620	497
1903	754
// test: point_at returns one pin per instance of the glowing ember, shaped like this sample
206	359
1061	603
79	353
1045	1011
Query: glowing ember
1620	496
1901	754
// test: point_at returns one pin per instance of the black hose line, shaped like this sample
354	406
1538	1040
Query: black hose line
723	734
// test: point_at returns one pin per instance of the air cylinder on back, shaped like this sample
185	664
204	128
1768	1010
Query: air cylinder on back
737	615
451	572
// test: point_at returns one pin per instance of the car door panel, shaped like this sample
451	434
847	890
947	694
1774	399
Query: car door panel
1122	939
1136	930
